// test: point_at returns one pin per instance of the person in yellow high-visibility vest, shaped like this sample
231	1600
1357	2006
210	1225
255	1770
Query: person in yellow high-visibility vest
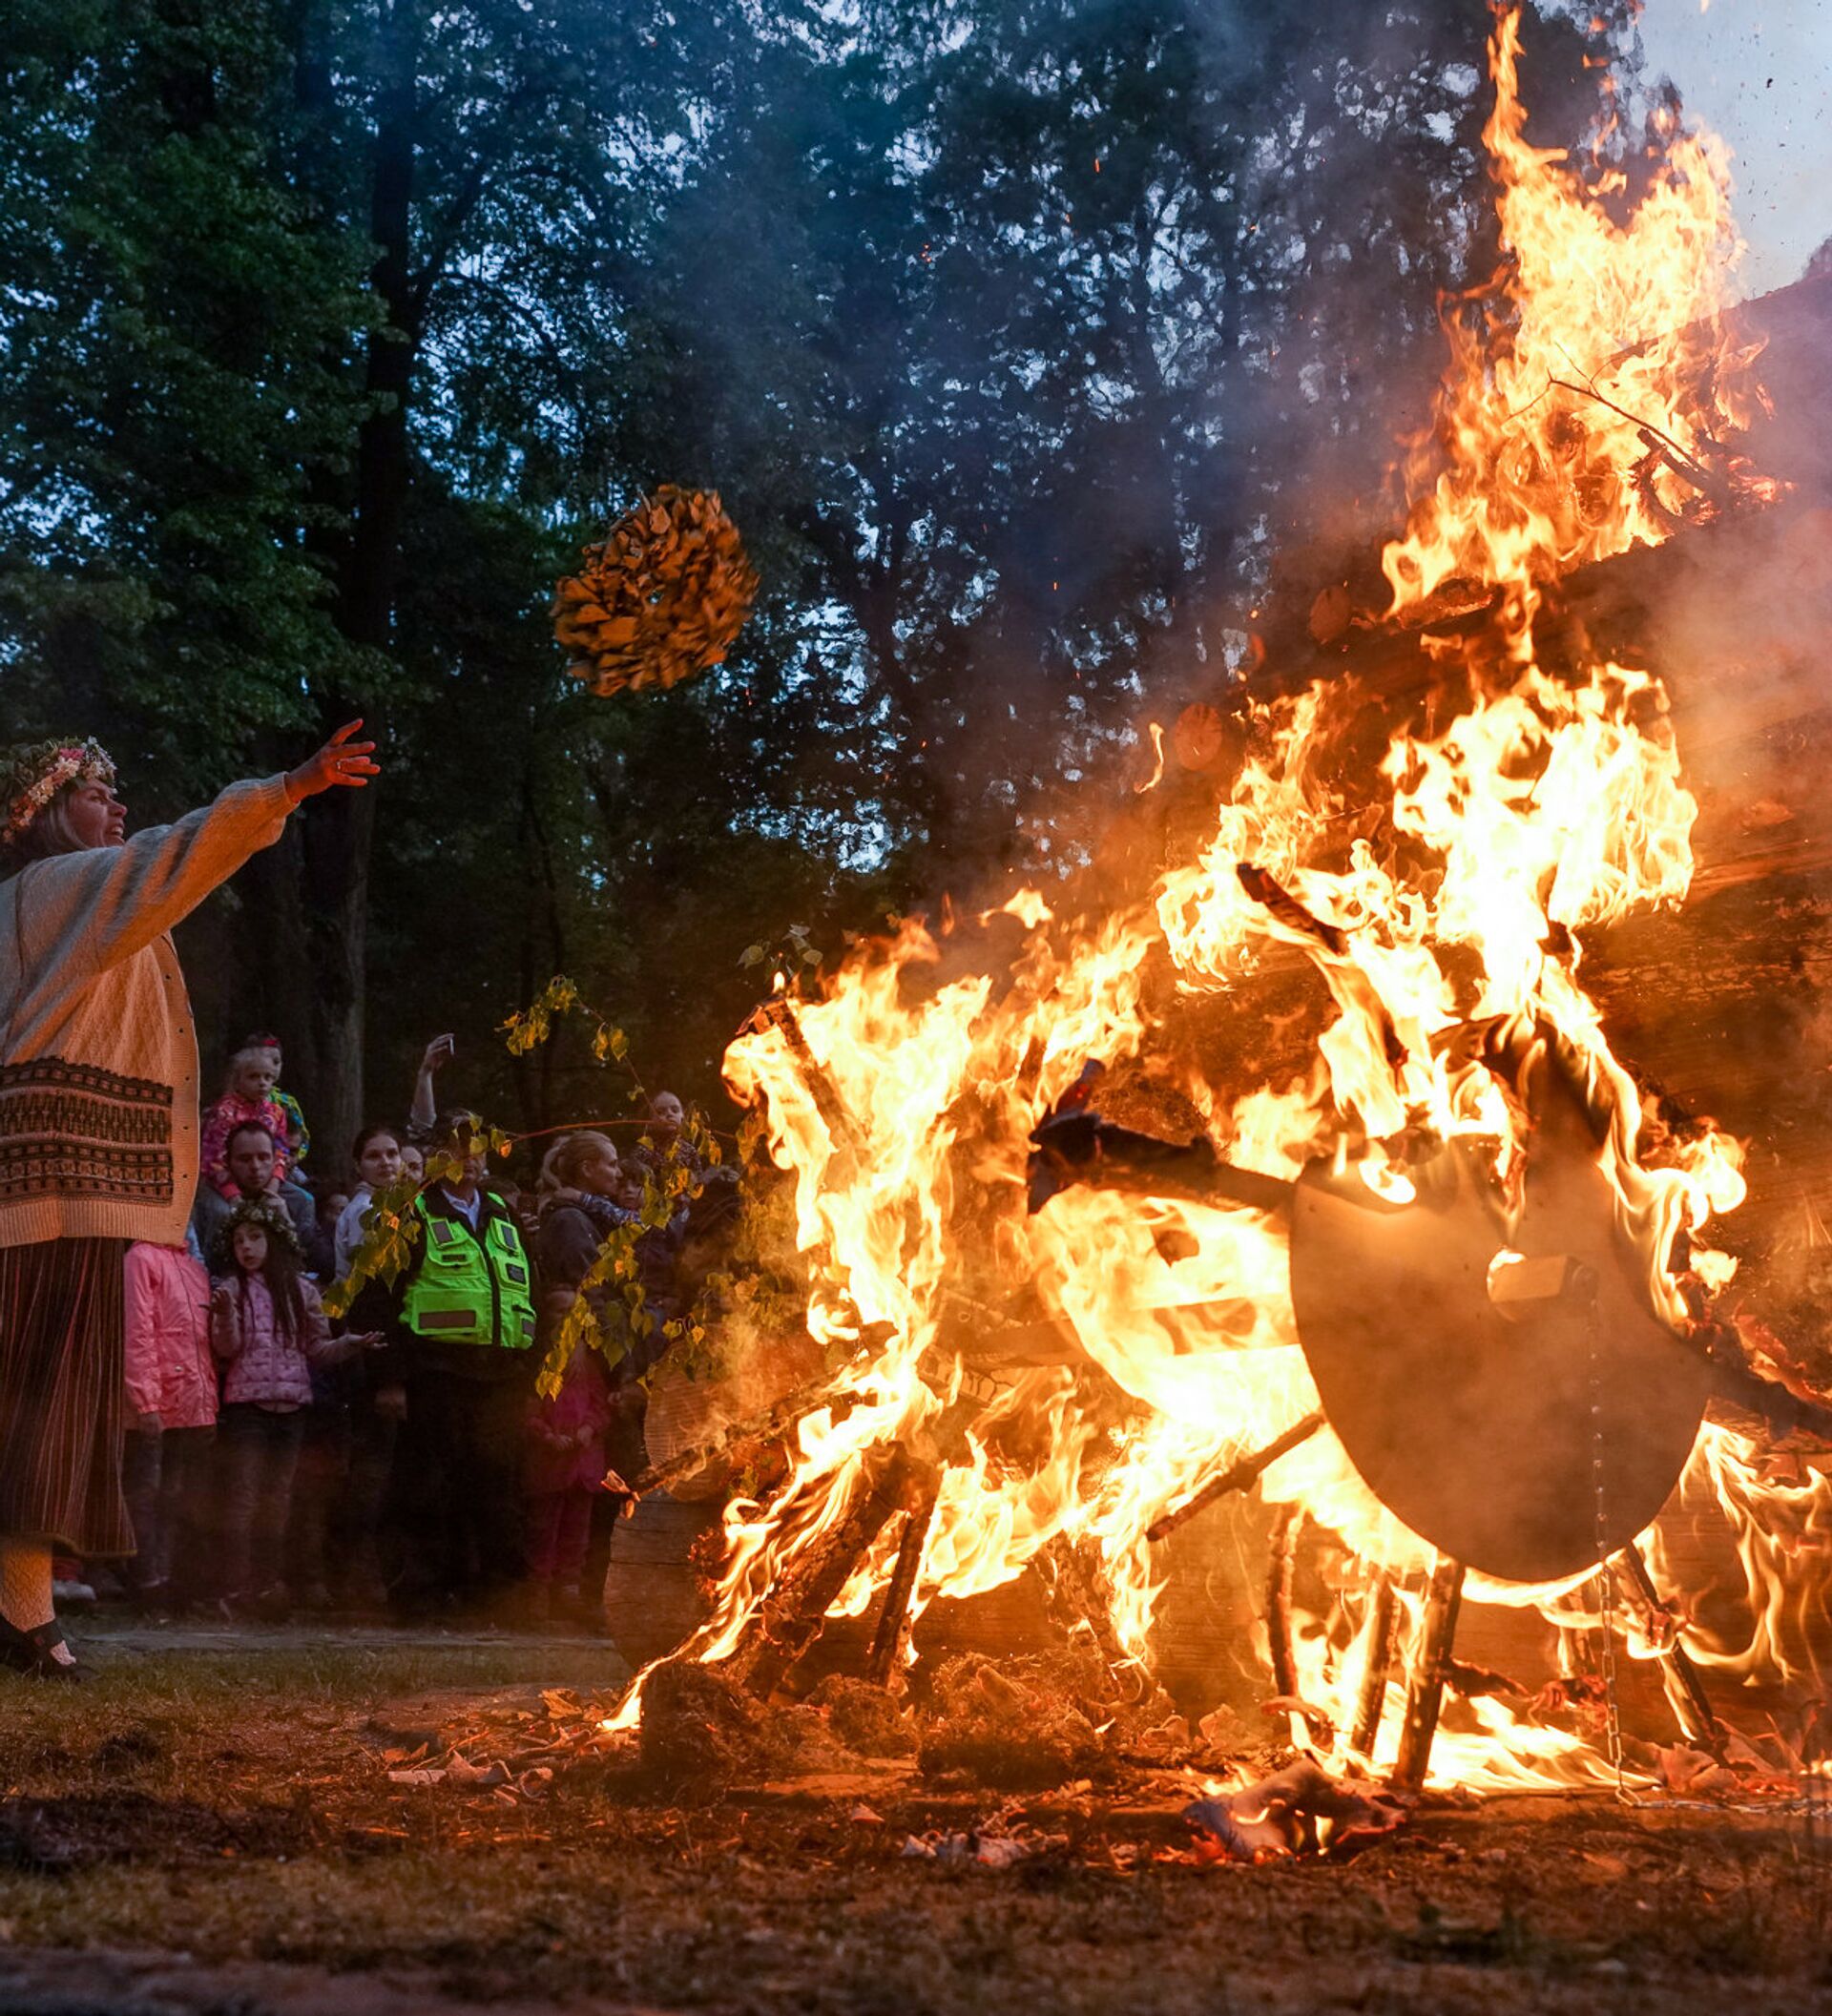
462	1317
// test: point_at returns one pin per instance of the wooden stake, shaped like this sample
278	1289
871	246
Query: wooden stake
1370	1702
780	1014
1284	1662
886	1662
1425	1695
1685	1690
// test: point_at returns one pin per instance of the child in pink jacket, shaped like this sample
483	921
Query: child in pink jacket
171	1416
267	1329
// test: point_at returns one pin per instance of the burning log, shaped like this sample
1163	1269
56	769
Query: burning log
1077	1146
892	1638
795	1612
1239	1476
1273	895
1371	1700
1424	1695
780	1015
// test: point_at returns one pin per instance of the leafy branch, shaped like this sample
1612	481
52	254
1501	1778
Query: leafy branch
529	1028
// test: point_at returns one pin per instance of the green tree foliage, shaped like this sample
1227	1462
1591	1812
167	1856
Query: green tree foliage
177	340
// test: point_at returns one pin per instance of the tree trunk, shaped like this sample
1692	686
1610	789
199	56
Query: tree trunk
338	829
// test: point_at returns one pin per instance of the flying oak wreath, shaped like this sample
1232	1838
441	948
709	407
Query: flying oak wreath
660	599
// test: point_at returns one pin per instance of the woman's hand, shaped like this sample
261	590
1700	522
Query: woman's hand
341	761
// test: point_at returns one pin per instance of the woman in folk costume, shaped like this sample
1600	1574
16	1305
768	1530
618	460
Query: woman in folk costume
98	1126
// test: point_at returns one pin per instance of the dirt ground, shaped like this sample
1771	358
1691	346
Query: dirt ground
270	1822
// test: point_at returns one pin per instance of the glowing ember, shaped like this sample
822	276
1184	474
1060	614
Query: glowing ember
1449	890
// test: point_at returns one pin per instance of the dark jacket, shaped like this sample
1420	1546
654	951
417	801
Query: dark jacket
571	1234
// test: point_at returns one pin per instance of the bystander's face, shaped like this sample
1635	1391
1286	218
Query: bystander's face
665	1118
629	1191
257	1076
598	1175
97	818
412	1163
474	1155
251	1160
381	1161
250	1245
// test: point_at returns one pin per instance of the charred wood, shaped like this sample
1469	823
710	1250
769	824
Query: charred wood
891	1639
766	1426
1279	1638
1279	1575
795	1612
1370	1700
1685	1689
1425	1691
1761	1408
1239	1476
1079	1147
780	1014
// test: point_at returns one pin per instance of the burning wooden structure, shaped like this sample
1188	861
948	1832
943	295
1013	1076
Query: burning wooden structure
1351	1144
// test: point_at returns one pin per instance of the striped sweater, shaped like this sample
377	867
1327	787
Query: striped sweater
98	1055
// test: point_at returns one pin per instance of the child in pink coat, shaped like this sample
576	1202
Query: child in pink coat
562	1473
171	1416
268	1329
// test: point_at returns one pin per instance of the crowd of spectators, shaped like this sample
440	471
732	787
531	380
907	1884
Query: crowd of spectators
397	1461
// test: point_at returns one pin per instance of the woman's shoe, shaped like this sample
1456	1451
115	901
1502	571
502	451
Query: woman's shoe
34	1652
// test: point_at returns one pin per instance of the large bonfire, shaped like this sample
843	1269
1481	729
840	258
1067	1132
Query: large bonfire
1448	887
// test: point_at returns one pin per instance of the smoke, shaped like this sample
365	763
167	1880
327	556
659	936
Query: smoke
1031	340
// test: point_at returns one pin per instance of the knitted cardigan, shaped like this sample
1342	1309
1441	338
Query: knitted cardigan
98	1055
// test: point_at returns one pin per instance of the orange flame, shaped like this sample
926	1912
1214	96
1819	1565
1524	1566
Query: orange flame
1588	402
1481	855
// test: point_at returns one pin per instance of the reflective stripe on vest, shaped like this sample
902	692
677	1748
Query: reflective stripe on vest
471	1290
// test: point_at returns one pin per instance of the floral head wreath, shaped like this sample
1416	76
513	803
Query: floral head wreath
270	1217
32	774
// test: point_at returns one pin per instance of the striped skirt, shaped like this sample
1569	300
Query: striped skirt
62	1395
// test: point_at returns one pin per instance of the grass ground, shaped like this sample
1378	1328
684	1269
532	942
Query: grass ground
228	1798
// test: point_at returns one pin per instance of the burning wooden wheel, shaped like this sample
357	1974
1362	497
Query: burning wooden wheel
1502	1387
1488	1363
1492	1366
